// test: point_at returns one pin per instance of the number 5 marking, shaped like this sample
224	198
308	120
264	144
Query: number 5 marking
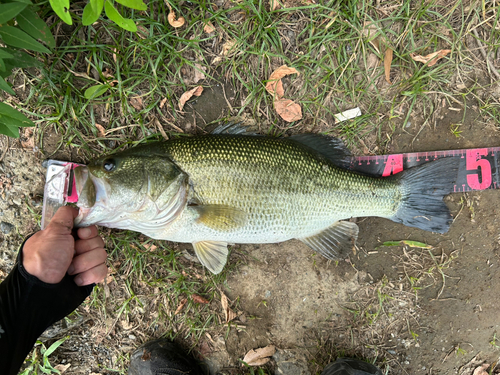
473	162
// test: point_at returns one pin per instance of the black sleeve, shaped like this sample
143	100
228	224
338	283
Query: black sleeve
27	307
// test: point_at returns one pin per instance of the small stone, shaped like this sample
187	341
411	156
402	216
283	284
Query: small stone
5	227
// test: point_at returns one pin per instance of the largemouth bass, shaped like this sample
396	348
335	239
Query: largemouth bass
231	188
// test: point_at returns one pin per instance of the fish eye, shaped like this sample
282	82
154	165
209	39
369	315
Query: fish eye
109	165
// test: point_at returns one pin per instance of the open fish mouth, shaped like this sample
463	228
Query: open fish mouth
89	191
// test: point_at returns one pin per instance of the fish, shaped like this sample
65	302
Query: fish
233	187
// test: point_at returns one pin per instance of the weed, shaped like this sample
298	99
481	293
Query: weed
39	362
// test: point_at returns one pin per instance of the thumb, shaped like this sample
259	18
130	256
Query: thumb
62	221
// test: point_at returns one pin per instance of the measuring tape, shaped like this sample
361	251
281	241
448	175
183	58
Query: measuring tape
478	168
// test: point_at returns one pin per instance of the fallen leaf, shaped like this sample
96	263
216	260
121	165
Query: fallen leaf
387	64
199	73
199	299
173	20
142	32
274	85
431	58
205	349
62	368
162	103
136	102
150	246
101	131
226	49
181	306
288	110
275	4
481	370
228	313
260	356
209	27
188	94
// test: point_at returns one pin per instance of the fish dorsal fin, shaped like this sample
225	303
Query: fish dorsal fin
220	217
232	127
331	148
335	240
212	254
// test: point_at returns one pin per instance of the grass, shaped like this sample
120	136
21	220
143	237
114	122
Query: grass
340	68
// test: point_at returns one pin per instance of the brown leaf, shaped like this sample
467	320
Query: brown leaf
199	73
260	356
173	20
387	64
274	85
432	58
288	110
181	306
150	246
62	368
136	102
205	349
275	4
188	94
101	130
370	31
228	313
209	27
481	370
162	103
199	299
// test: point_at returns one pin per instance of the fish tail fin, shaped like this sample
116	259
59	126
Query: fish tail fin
424	188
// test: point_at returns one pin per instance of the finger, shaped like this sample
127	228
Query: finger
87	232
86	261
62	221
82	246
93	275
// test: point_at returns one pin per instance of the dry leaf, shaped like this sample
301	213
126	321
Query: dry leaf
199	73
226	48
136	102
387	64
275	4
199	299
142	32
188	94
62	368
209	27
288	110
431	58
172	19
481	370
101	131
274	85
370	31
228	313
260	356
150	246
181	306
162	103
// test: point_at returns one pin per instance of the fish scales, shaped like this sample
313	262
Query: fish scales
287	189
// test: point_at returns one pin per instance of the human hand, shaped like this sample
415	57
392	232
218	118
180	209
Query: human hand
52	252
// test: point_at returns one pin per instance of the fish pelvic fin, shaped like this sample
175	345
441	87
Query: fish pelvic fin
220	217
423	189
334	241
212	254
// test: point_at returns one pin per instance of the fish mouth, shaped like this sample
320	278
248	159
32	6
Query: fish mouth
87	190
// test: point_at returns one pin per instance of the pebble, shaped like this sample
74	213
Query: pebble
5	227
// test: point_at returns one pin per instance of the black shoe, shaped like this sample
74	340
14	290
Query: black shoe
350	366
162	357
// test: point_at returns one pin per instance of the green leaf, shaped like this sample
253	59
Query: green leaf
92	11
95	91
4	54
5	86
2	66
12	117
134	4
11	131
29	21
10	10
18	38
113	15
20	59
28	2
408	243
54	346
61	7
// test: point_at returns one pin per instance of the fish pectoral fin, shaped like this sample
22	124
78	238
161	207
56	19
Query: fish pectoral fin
335	240
220	217
212	254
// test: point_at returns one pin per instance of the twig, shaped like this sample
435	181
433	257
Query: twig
6	149
485	56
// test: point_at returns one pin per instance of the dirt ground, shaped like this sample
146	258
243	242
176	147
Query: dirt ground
412	310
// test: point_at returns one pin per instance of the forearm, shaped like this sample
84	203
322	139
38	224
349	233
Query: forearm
27	307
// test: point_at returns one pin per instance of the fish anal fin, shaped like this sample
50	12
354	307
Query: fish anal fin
331	148
335	241
220	217
212	254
